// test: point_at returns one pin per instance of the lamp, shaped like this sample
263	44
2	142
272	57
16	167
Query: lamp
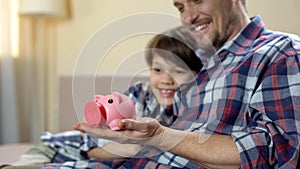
39	46
43	8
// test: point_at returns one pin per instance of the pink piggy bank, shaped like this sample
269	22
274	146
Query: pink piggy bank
109	110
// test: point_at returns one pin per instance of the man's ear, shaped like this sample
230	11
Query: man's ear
242	2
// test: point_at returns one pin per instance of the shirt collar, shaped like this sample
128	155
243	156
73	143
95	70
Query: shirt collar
239	45
245	40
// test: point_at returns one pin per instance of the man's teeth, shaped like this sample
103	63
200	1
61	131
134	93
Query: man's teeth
200	27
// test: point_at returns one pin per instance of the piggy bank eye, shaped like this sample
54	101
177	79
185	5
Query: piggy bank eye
110	101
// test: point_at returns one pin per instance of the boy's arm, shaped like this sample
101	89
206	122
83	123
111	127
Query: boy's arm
114	150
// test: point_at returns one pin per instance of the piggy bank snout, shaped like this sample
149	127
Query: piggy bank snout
95	113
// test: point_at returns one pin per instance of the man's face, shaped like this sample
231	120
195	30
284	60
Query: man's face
211	18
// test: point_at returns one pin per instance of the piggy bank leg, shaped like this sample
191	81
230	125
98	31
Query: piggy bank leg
114	124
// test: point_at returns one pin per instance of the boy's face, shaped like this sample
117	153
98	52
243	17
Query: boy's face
166	77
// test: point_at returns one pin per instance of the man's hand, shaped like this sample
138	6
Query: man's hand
131	131
146	131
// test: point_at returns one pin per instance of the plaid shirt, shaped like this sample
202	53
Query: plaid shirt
250	91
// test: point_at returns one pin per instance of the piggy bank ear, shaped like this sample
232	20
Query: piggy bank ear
124	105
98	97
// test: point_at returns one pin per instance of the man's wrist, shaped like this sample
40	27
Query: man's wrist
167	139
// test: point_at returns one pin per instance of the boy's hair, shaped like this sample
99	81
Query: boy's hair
174	45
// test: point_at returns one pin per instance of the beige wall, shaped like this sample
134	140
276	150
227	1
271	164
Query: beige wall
88	16
277	14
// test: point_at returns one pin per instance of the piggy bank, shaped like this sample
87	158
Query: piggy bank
109	110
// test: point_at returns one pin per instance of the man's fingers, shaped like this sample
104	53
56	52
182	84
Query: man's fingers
78	126
129	124
85	128
143	125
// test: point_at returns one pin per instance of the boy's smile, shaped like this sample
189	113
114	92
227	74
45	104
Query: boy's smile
166	77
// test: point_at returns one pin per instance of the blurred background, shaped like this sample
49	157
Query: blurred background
41	42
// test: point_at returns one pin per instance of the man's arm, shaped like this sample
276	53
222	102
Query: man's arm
212	151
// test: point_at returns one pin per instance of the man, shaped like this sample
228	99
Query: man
245	116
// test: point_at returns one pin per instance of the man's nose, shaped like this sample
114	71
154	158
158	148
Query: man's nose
189	15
